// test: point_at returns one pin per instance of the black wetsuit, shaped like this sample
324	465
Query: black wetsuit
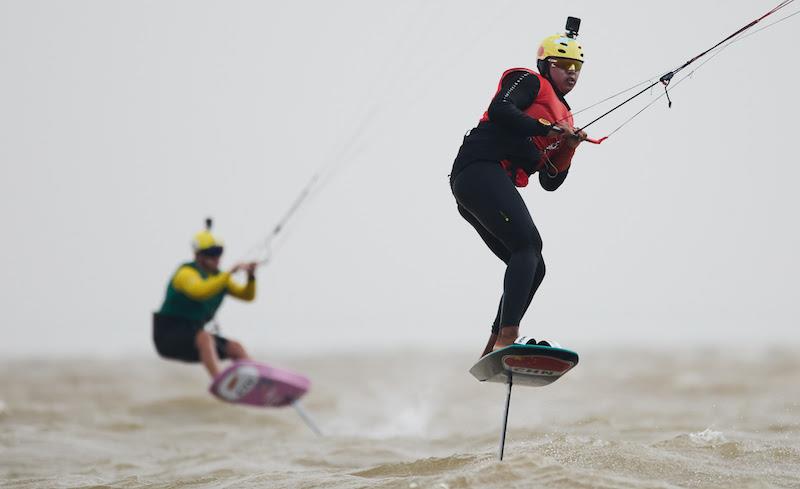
488	199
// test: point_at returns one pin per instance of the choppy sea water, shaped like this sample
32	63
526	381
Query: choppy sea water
653	419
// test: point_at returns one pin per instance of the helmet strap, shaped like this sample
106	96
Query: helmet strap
543	66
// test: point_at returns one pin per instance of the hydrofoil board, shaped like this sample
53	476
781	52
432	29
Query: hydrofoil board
258	384
533	365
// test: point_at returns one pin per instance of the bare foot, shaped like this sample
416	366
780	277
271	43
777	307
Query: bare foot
506	337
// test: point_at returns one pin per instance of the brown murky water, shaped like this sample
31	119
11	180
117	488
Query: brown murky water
654	419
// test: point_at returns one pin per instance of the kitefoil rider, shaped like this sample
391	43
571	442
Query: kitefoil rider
527	129
194	293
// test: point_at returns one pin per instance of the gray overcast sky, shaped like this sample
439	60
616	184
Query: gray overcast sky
125	123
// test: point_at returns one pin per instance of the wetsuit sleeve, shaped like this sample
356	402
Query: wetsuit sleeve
517	92
551	183
246	292
190	282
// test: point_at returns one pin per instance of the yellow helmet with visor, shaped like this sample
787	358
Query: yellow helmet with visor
561	50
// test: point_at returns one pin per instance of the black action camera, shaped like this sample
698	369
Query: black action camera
573	24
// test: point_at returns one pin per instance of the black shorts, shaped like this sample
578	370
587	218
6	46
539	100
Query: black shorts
175	338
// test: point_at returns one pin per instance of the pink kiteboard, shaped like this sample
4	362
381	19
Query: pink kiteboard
258	384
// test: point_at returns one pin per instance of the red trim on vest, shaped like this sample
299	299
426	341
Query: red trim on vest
549	107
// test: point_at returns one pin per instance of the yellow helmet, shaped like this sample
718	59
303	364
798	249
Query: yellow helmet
207	243
560	46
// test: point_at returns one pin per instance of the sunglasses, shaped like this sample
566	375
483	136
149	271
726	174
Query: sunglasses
212	252
567	64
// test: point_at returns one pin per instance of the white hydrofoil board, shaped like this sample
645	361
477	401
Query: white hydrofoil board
532	365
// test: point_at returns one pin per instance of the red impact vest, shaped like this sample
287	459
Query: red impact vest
549	107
